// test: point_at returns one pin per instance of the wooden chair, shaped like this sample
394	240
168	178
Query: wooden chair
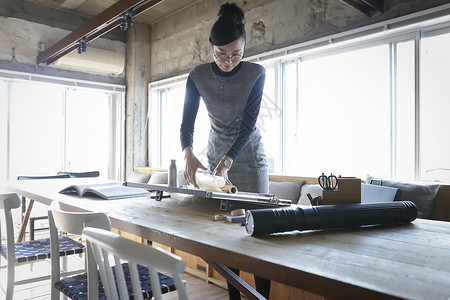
105	245
26	252
87	285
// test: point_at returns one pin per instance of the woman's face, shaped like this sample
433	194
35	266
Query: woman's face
228	56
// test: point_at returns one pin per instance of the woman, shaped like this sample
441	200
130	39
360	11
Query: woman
231	90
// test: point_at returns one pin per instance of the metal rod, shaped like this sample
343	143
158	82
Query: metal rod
266	199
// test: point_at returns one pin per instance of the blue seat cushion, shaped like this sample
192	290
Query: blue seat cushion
40	249
75	287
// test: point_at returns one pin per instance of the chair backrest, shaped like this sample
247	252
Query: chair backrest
104	243
73	223
9	202
43	177
81	174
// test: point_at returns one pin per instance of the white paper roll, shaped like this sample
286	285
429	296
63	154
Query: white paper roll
209	182
214	183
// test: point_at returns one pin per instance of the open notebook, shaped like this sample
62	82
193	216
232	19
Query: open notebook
371	193
108	191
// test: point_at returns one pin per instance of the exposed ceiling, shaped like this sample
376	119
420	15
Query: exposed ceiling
91	8
105	15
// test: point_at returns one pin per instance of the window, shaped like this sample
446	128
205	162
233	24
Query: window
342	118
435	107
89	138
342	114
269	119
48	127
167	115
403	110
373	105
35	129
166	110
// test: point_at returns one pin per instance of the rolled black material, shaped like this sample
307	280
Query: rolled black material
266	221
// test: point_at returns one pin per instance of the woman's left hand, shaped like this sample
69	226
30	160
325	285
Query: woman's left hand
222	171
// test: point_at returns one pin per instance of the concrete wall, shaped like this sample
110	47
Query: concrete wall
180	41
138	64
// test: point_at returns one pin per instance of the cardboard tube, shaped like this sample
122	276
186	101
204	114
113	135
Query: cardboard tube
231	189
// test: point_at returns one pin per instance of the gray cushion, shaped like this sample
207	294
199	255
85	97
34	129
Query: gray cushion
138	177
181	180
162	178
158	178
423	196
289	190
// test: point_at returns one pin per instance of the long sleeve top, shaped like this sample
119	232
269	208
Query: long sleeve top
220	92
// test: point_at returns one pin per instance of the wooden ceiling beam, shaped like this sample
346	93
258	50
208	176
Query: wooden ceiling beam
375	4
109	19
91	38
359	6
367	7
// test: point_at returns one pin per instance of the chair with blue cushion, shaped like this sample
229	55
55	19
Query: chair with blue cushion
88	285
132	279
71	223
25	252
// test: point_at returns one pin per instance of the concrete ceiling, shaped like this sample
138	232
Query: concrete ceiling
91	8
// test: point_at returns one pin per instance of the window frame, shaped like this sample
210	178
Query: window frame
393	32
116	164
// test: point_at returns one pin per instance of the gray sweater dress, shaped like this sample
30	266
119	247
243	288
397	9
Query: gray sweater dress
232	100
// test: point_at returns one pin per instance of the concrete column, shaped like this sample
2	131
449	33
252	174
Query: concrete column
137	80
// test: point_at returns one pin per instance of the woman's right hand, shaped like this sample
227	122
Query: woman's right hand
192	165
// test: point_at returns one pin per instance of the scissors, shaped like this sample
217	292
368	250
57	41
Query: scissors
328	183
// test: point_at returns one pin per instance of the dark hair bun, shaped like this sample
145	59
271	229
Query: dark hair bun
229	27
233	12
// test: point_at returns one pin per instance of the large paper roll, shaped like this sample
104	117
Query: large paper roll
214	183
209	182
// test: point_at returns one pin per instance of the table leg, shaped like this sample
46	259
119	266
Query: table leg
236	281
21	236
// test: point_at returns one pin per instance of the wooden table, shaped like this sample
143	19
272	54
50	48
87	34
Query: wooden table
408	261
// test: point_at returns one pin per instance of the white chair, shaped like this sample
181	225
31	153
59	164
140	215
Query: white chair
26	252
104	244
80	174
72	223
26	212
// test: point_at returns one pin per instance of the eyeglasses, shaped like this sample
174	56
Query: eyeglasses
223	57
